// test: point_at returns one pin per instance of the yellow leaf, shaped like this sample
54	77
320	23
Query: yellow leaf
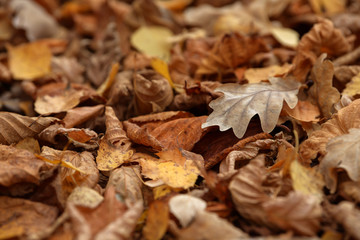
353	87
109	157
285	36
29	61
162	68
157	221
326	6
176	173
306	180
59	162
153	41
255	75
109	80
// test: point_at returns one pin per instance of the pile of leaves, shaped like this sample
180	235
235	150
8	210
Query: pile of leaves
179	119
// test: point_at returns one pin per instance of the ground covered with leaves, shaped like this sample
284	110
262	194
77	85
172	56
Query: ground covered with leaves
179	119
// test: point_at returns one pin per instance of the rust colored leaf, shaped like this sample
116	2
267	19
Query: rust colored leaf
324	94
92	223
340	123
304	111
18	166
29	61
323	37
22	218
15	127
241	102
295	212
342	153
77	116
157	220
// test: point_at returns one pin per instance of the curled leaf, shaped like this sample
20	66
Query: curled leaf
241	102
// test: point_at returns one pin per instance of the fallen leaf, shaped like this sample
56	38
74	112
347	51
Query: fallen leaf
157	221
175	174
255	75
86	197
79	115
241	102
340	123
109	157
304	111
286	36
350	191
353	87
185	208
295	212
23	218
29	144
15	127
341	153
322	91
153	41
326	7
29	61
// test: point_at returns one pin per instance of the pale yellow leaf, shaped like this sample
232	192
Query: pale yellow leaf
353	87
153	41
285	36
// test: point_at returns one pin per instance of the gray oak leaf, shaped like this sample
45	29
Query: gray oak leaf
241	102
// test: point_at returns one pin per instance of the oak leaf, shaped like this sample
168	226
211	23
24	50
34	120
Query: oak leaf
241	102
342	153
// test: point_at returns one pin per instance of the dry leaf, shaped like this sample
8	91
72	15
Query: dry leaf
328	7
350	191
31	17
346	214
322	91
176	173
153	41
186	207
353	87
15	127
153	92
255	75
323	37
110	157
29	61
18	166
157	221
209	226
295	212
86	197
22	218
127	182
340	123
79	115
241	102
304	111
286	36
342	153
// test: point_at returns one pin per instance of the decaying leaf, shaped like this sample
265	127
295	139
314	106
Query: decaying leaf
285	36
29	61
322	91
110	157
353	87
255	75
157	221
241	102
177	172
342	153
86	197
15	127
295	212
328	7
340	123
22	218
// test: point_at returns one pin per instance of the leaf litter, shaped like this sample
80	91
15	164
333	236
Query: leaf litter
180	119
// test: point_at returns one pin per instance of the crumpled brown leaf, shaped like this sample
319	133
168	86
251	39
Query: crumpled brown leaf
296	212
346	214
340	123
15	127
153	92
22	218
342	153
323	93
323	37
92	223
241	102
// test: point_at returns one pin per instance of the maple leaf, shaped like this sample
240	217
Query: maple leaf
342	153
241	102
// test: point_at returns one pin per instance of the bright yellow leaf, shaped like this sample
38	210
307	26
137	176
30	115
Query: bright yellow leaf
29	61
153	41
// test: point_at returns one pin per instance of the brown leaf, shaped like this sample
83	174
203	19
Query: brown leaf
295	212
15	127
324	94
157	221
118	222
69	68
79	115
340	123
115	133
18	166
22	218
323	37
241	102
304	111
153	92
342	153
350	191
346	214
